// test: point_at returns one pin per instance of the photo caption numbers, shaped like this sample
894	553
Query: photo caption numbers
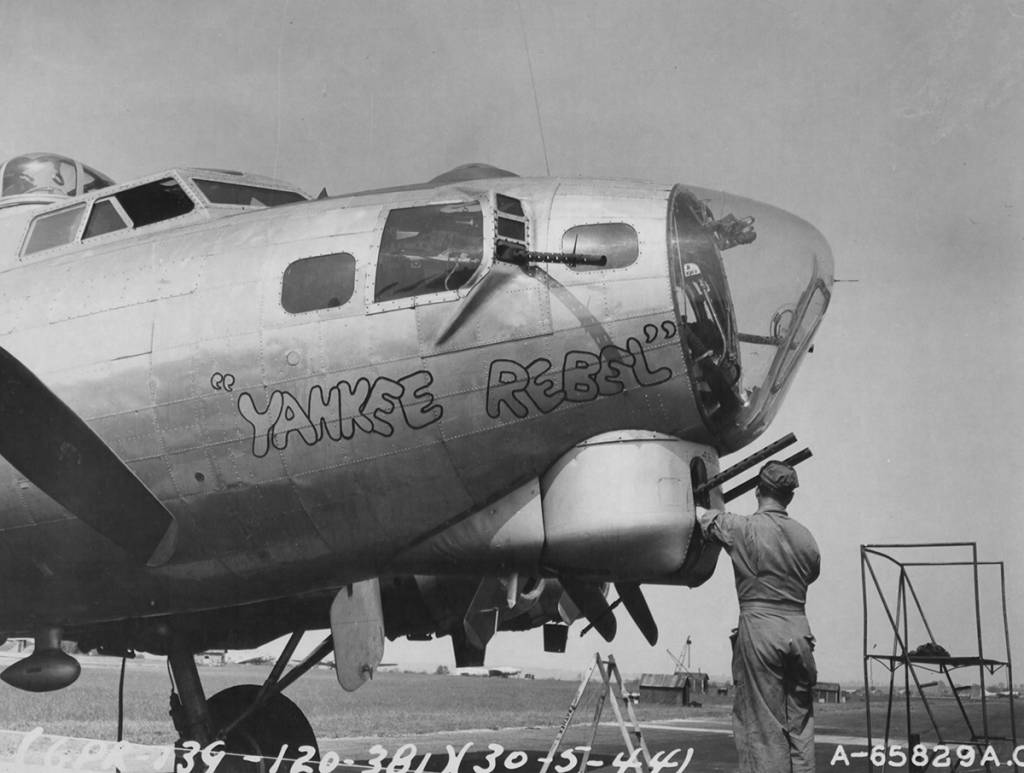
936	756
192	757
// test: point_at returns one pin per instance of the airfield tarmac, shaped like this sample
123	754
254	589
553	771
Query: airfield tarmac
698	745
399	719
689	744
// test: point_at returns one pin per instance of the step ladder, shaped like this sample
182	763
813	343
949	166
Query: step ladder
632	735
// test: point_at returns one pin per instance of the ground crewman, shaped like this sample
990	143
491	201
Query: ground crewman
774	559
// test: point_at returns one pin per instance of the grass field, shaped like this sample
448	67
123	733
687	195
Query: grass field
393	705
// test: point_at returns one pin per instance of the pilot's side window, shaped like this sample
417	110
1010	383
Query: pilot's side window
217	192
104	219
53	229
616	241
321	282
429	250
154	202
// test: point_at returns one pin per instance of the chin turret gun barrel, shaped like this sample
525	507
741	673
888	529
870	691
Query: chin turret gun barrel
748	485
743	465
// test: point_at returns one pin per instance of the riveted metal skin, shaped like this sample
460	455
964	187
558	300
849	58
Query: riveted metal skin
298	452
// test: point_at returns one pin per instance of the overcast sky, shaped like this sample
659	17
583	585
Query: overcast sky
894	127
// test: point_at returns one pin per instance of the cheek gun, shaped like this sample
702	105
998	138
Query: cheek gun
745	464
748	485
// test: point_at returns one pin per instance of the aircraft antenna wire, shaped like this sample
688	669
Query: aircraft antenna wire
533	85
277	97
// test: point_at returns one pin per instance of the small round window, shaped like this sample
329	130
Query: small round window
617	241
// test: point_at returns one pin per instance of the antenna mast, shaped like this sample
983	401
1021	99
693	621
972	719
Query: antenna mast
533	85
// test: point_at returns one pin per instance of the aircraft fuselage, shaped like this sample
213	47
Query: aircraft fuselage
316	390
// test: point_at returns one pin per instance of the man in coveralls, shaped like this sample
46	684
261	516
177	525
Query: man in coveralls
774	559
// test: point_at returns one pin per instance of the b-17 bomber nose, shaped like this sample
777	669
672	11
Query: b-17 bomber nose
751	283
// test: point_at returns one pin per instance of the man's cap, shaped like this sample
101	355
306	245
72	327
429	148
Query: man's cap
779	476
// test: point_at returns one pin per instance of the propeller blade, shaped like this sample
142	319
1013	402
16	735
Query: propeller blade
55	449
480	622
467	654
635	603
592	603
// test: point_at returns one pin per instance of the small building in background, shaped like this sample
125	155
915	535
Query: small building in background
828	692
678	689
212	658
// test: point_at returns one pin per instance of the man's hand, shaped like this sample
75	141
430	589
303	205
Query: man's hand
705	517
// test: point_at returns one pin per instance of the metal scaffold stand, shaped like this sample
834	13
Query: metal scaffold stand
899	608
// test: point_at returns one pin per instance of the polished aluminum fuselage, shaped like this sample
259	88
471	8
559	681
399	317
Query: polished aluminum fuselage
176	350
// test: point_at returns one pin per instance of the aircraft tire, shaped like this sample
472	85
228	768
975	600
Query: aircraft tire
279	722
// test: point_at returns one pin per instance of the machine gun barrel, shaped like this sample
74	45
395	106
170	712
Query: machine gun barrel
747	485
744	465
507	252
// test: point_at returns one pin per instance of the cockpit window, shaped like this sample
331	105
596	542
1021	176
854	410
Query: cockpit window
616	241
153	202
53	229
218	192
429	249
103	219
143	205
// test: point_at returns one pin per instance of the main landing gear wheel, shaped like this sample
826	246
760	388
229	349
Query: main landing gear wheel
264	733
